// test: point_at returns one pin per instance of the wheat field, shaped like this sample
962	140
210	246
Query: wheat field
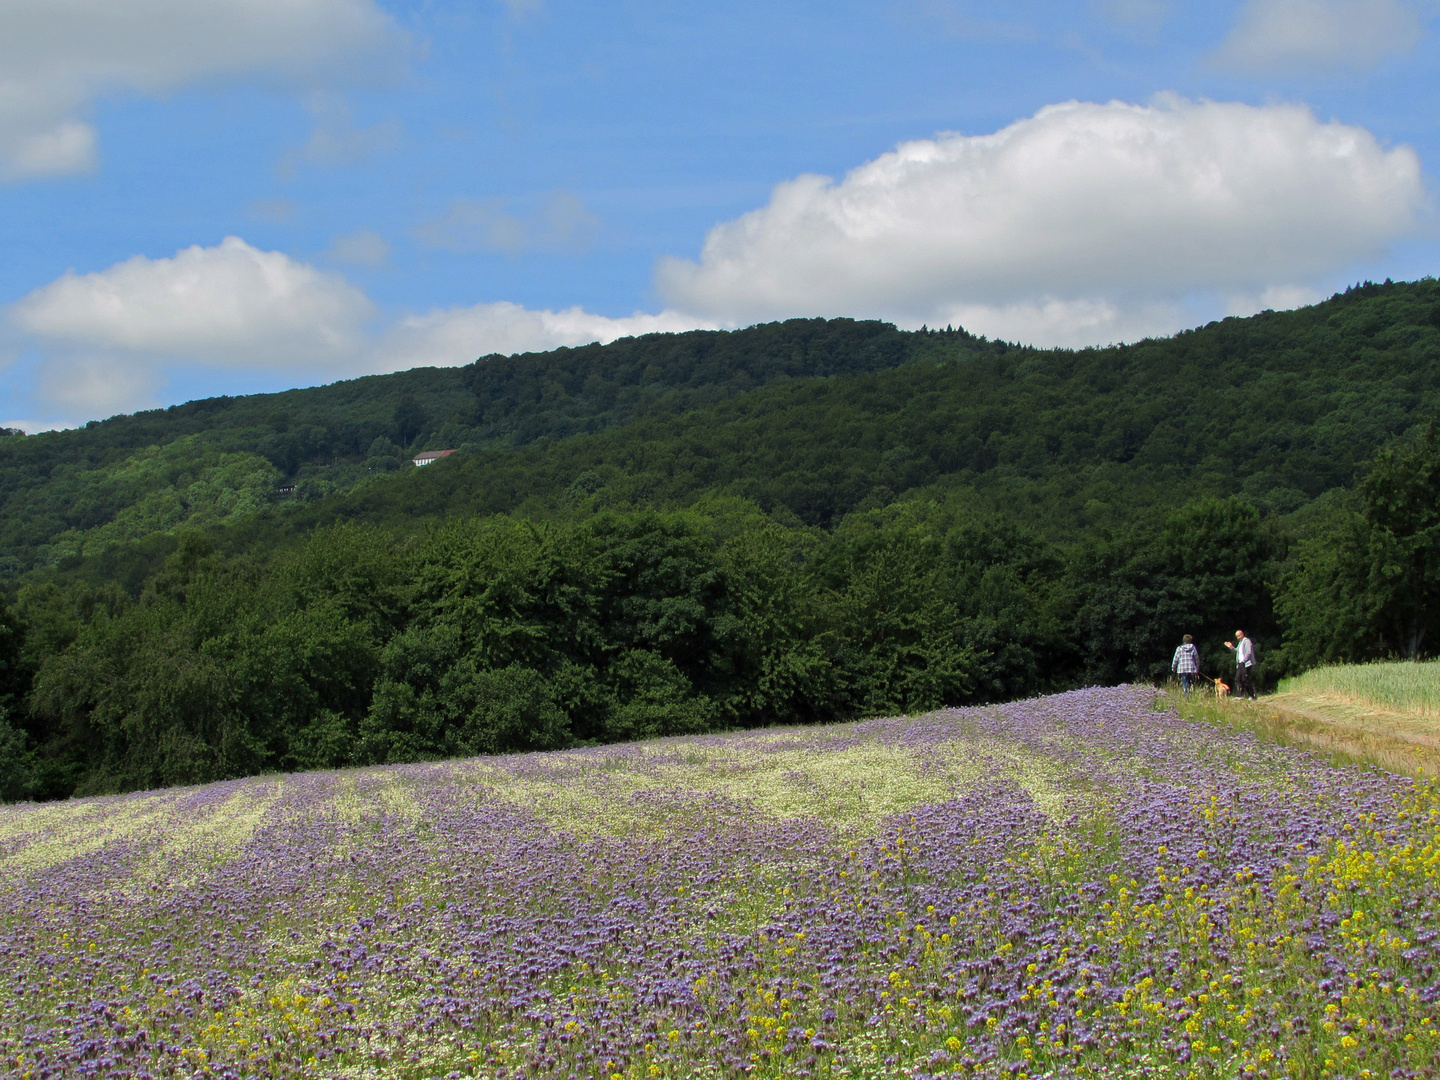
1402	686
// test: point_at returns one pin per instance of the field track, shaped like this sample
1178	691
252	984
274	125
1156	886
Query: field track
1080	885
1385	714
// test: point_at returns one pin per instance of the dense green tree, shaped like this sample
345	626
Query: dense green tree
1318	596
1400	501
17	778
16	765
331	439
1202	570
936	605
1367	586
620	628
408	420
499	633
219	669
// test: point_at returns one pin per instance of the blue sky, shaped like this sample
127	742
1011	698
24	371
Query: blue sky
256	194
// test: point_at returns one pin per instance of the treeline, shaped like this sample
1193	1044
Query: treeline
1365	583
485	635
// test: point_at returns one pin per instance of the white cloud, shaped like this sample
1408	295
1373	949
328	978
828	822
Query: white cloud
445	337
1051	321
560	223
1289	36
108	339
223	305
57	56
67	148
96	386
363	248
1077	208
1275	298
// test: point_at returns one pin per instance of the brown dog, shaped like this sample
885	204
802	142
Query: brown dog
1221	690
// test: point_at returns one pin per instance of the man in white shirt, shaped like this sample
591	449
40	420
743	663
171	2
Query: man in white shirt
1244	664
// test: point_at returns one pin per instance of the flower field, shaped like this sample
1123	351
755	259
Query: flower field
1080	885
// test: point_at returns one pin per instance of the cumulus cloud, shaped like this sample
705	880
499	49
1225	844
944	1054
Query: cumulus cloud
1318	36
108	336
95	386
219	305
1050	321
108	339
458	335
57	56
1078	207
559	223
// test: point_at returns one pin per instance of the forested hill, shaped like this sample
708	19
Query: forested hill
225	458
1280	407
802	521
814	417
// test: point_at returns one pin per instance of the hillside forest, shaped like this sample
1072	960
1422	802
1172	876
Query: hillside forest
797	522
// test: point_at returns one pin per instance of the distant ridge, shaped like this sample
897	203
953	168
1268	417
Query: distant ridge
815	417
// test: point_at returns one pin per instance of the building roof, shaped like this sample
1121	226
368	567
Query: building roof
431	455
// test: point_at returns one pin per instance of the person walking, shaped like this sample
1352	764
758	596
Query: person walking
1244	650
1186	662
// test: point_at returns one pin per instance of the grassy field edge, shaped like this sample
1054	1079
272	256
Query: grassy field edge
1343	734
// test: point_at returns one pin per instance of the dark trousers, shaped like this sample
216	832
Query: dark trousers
1244	682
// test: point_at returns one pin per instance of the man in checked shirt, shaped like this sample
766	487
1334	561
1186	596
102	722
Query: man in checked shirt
1244	665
